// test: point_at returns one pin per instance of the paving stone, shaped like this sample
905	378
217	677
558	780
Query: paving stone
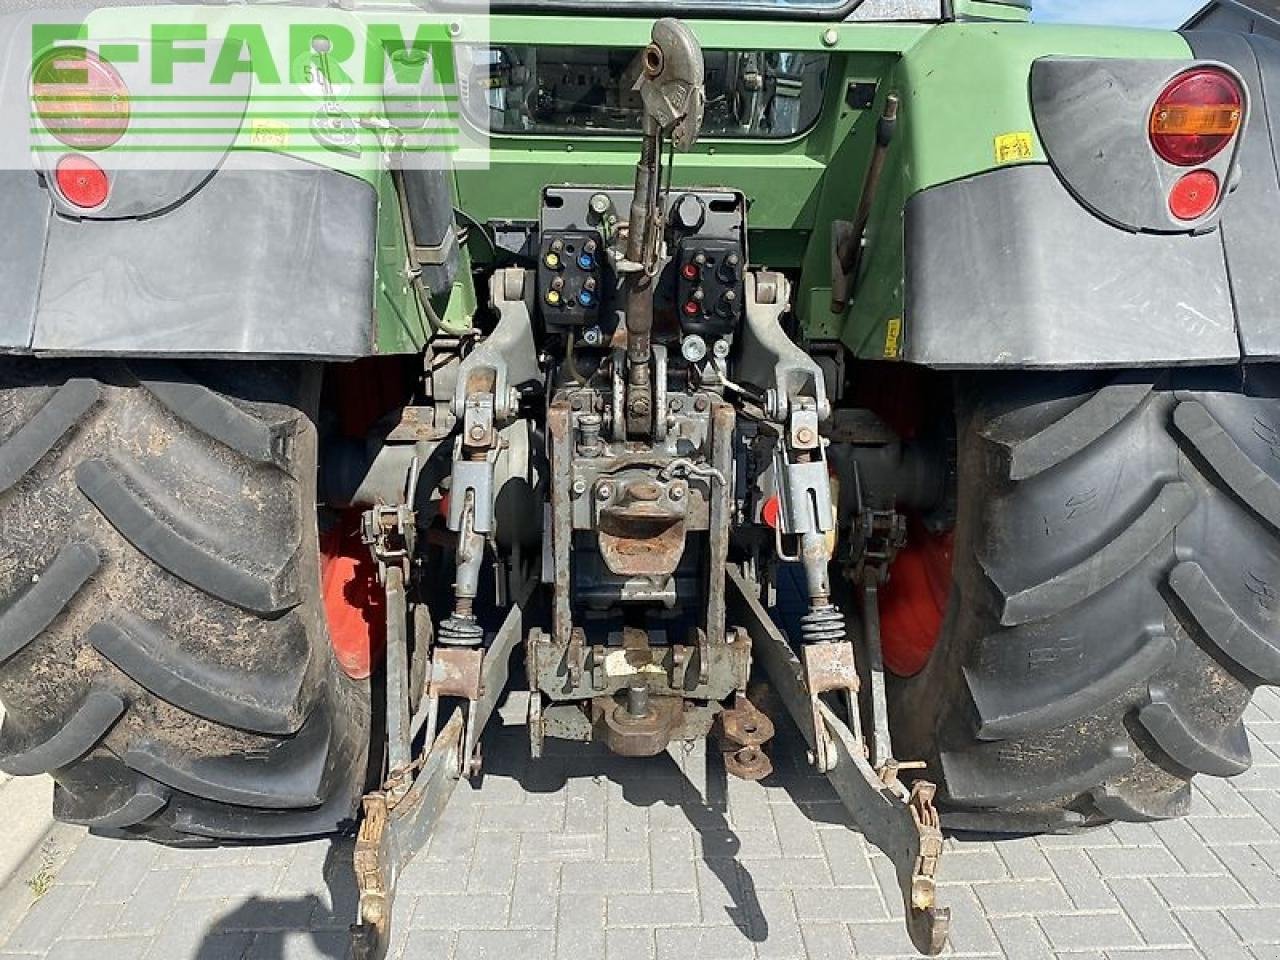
460	911
1021	938
580	929
1215	937
970	931
425	945
1253	871
152	903
1024	859
89	862
1147	911
601	858
1201	893
45	919
298	945
629	944
493	862
504	945
1080	878
1022	897
1090	931
1143	862
840	904
826	941
535	899
117	948
704	943
128	868
1255	926
776	931
967	865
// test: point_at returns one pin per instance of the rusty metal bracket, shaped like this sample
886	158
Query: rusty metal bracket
903	824
392	832
744	731
399	819
828	668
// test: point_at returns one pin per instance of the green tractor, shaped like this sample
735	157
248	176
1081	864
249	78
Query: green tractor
904	359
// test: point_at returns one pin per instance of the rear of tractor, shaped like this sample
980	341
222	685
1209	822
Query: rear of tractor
921	368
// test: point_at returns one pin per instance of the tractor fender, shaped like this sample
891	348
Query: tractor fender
269	257
1251	221
1079	262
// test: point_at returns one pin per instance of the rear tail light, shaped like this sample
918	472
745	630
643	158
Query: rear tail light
1194	195
1196	116
80	99
82	182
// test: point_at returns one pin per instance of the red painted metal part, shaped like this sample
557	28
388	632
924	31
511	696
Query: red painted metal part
354	601
913	603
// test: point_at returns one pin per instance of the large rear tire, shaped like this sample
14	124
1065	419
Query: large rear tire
163	648
1115	598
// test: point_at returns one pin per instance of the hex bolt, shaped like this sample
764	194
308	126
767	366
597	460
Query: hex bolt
579	487
700	403
720	348
804	435
477	432
733	260
604	492
677	492
676	404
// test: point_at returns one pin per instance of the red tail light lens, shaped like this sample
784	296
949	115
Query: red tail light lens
80	98
1194	195
1196	117
82	182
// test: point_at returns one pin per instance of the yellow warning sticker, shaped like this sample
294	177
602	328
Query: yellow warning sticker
1015	147
893	339
269	133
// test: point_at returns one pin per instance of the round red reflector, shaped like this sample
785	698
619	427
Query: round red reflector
1194	195
690	271
82	182
1196	116
692	308
771	512
80	98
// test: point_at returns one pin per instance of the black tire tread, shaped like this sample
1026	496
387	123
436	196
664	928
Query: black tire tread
163	654
1004	716
30	614
290	776
258	702
1225	755
1035	712
1111	561
78	734
159	530
36	438
218	417
1072	433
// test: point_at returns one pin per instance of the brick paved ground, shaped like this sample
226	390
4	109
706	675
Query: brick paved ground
592	858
